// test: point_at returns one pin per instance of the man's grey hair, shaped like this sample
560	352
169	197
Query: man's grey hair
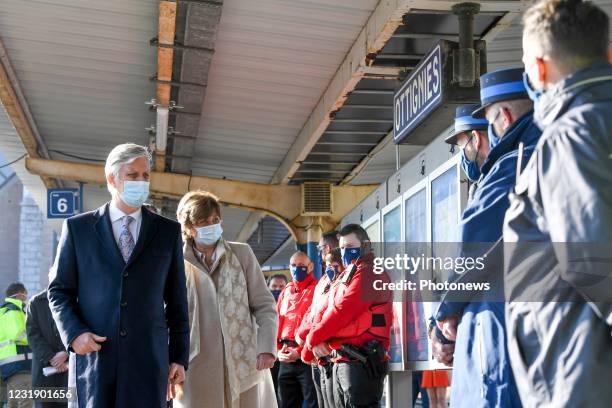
573	33
125	154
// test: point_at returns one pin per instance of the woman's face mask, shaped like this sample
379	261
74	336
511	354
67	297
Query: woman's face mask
208	235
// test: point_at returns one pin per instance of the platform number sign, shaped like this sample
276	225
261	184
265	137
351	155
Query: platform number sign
62	202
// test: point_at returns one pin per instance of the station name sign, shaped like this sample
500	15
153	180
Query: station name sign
419	95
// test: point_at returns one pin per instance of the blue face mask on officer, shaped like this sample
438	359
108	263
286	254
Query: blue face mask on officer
534	94
299	273
470	167
491	133
349	255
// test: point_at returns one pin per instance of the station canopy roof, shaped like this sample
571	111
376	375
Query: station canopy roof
271	91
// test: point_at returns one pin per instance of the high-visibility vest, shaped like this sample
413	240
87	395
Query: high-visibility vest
13	337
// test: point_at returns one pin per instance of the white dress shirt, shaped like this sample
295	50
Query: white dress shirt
116	217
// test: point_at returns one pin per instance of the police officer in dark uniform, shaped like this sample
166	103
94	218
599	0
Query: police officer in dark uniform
470	135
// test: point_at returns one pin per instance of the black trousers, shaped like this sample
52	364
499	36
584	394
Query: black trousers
327	386
295	386
353	387
274	372
317	381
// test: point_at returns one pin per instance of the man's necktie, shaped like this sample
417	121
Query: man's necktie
126	240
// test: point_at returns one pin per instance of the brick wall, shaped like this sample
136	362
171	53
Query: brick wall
36	245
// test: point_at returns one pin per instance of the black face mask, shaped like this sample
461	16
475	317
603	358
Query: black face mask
276	293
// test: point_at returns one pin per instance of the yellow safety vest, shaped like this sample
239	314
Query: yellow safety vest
13	337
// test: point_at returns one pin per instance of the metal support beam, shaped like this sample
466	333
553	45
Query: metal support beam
249	226
383	121
347	144
465	72
429	36
353	132
386	107
373	91
280	201
401	56
18	111
364	162
165	55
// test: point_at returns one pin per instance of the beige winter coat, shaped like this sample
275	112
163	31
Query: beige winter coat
206	380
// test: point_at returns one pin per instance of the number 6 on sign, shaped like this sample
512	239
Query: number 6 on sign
62	202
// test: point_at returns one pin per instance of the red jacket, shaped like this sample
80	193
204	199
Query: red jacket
348	317
293	303
314	314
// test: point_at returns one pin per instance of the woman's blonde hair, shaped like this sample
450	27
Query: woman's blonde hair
194	208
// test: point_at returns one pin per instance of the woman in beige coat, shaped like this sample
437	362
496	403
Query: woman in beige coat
232	314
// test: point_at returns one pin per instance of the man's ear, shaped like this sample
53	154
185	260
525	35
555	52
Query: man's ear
310	267
507	116
110	179
476	134
542	71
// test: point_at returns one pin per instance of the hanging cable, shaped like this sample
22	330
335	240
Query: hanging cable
14	161
74	156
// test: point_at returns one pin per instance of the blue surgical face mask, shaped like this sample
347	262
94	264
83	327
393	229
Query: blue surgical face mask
470	167
299	273
534	94
134	193
208	235
276	293
330	271
493	138
349	255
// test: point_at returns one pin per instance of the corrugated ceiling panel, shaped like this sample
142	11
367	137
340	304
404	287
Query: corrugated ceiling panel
273	59
84	67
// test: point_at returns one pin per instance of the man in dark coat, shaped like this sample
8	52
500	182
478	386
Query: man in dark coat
482	373
119	294
559	271
47	348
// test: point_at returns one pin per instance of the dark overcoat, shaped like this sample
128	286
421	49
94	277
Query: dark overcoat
140	306
44	340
